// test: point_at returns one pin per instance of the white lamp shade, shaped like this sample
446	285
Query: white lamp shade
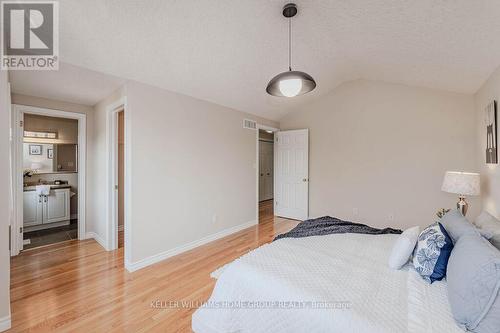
462	183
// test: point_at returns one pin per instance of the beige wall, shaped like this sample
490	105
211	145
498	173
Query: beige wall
193	169
67	129
490	173
96	177
5	198
382	149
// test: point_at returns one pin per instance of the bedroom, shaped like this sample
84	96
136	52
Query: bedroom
403	94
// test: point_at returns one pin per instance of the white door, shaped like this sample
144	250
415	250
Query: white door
291	172
266	170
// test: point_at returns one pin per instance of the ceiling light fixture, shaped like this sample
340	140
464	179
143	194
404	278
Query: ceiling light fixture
290	83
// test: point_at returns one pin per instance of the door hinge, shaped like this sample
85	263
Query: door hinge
21	123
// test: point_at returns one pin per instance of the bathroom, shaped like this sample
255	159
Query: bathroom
50	180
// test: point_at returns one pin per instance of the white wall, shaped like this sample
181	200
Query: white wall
383	149
192	162
490	173
97	179
5	202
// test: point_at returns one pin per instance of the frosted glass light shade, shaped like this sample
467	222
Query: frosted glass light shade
290	87
290	84
462	183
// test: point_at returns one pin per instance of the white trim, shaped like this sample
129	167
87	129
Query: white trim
112	177
131	267
98	239
265	128
5	323
18	133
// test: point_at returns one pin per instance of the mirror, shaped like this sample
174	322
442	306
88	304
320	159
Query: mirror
43	158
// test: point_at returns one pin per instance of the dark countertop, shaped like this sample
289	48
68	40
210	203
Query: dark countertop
52	187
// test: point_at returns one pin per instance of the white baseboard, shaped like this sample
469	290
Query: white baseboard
5	323
97	238
133	266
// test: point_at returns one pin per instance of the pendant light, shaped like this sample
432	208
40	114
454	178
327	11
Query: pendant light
290	83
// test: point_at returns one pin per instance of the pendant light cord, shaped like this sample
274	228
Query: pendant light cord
290	44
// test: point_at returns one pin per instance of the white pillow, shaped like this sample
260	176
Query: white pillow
489	228
403	248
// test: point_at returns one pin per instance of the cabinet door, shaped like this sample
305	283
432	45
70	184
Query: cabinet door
32	208
56	207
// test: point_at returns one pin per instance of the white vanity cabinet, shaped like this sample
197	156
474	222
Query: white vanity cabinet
42	210
32	208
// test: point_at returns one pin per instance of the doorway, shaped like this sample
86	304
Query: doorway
48	159
121	177
118	179
266	173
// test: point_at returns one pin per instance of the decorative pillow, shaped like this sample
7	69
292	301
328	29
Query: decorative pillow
489	227
473	284
403	248
431	255
457	225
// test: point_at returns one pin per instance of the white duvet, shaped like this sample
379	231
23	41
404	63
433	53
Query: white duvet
333	283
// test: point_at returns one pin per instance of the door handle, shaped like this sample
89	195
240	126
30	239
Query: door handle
40	198
305	180
268	174
261	174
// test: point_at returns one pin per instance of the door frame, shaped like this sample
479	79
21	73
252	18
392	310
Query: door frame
112	178
265	128
18	111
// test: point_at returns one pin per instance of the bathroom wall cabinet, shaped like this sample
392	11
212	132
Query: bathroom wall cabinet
46	211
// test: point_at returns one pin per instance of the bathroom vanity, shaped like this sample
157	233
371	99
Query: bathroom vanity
46	211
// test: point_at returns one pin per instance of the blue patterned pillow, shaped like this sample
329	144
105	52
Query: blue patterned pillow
432	252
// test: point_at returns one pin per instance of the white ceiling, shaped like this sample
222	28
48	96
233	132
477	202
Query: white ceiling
226	51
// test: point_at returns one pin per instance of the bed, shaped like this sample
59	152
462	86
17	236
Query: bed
328	283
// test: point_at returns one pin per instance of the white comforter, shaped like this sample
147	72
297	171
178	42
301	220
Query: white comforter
334	283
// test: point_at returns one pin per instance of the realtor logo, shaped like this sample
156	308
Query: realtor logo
30	35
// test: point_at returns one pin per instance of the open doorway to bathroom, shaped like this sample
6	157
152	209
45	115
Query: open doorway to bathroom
50	180
48	176
266	174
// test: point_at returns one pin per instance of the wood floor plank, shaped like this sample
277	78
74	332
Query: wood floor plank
77	286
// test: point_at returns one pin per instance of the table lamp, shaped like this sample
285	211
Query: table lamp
463	184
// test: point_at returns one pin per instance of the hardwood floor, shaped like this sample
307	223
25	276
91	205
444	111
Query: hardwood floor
77	286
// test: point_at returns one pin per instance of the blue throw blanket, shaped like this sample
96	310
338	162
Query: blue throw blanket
327	225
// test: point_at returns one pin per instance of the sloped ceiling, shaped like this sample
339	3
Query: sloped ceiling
225	51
